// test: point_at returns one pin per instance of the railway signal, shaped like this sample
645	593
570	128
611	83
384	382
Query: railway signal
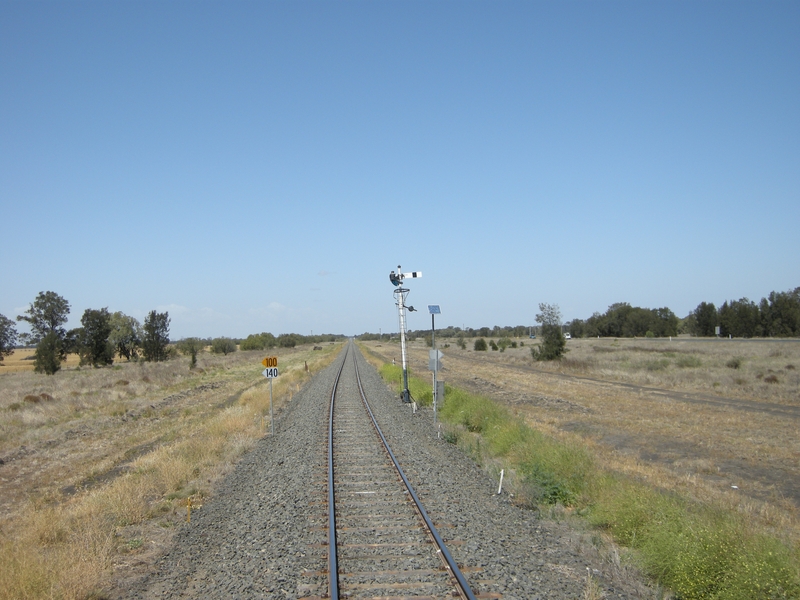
400	294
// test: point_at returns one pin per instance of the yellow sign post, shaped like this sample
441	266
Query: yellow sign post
271	371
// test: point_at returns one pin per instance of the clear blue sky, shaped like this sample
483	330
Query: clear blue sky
262	166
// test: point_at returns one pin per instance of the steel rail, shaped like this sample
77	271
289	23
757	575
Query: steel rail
333	565
464	586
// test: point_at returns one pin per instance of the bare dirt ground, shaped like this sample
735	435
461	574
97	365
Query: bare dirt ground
687	428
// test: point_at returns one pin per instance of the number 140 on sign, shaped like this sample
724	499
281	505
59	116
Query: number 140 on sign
271	362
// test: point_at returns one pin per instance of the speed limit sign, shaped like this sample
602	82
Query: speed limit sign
271	362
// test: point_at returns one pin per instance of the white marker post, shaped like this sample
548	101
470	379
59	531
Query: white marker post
434	360
271	371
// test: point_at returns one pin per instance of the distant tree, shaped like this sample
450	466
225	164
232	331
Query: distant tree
72	340
94	346
288	340
223	345
480	345
126	335
27	340
664	322
780	313
50	353
740	318
553	344
577	328
688	324
260	341
155	338
46	315
706	319
191	347
8	337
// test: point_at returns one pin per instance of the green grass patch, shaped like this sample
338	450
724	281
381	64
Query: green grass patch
420	390
696	550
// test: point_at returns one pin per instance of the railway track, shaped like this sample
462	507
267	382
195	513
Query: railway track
381	541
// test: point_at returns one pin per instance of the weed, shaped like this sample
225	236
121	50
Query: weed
134	544
660	364
450	436
688	361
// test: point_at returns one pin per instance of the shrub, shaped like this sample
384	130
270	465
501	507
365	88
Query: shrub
553	344
191	346
223	345
688	361
480	345
734	363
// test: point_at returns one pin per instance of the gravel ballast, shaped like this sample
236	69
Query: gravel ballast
263	533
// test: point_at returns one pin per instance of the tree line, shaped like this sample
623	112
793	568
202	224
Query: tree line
777	315
103	335
623	320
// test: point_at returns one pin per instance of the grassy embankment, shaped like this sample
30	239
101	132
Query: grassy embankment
63	541
698	550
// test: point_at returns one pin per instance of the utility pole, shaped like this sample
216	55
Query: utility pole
400	294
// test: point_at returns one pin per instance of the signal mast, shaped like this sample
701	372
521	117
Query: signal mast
400	294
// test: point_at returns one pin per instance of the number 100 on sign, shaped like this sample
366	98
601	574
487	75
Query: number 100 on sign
271	362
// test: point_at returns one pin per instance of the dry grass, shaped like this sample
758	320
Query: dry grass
706	536
22	360
699	449
104	464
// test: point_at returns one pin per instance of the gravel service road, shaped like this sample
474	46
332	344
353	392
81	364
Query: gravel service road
263	533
